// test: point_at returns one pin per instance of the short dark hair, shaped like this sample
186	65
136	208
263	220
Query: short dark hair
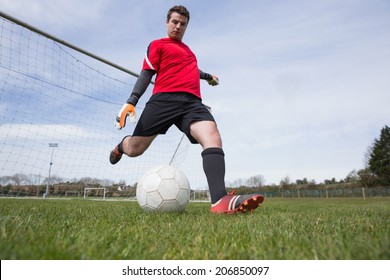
181	10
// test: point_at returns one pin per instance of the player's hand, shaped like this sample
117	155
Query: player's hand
126	110
214	81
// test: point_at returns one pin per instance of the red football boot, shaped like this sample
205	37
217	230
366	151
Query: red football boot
231	203
115	155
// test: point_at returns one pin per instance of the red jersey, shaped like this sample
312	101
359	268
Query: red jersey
176	67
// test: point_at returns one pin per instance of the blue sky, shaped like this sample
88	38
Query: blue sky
304	86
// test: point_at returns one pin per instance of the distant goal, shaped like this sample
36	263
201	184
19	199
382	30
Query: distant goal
95	193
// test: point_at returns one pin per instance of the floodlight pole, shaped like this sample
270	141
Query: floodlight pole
51	145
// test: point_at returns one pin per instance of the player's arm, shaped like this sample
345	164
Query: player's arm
211	79
139	89
142	83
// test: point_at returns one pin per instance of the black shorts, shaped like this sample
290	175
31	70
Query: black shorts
171	108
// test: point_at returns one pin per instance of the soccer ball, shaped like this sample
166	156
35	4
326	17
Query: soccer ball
163	189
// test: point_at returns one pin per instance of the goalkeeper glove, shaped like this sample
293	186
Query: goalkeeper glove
214	81
126	110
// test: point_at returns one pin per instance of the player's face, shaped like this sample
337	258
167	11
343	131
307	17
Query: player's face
176	26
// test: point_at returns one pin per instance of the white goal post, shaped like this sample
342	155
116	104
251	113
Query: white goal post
88	189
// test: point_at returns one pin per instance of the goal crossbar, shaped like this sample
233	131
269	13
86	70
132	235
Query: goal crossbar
56	39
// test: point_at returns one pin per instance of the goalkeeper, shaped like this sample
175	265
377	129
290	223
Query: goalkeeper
176	100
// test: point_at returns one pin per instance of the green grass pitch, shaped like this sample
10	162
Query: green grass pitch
281	229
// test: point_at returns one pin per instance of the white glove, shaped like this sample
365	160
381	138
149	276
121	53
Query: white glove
126	110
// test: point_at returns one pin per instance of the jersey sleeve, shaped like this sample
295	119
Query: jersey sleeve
152	57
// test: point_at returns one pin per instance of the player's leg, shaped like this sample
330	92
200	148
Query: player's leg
134	146
131	146
207	134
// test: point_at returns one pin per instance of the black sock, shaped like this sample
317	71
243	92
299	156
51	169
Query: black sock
120	147
214	168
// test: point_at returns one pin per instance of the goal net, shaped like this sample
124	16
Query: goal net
57	111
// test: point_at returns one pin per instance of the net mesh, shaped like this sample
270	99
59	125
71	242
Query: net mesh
51	94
